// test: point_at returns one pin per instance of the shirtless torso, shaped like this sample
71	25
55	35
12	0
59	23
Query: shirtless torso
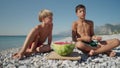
44	32
35	39
83	31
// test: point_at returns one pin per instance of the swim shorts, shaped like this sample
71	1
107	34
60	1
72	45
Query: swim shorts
93	43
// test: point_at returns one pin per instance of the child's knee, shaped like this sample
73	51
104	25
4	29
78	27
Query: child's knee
29	50
80	45
117	41
48	48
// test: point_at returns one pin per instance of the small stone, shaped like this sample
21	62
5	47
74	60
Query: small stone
82	64
37	64
23	66
10	66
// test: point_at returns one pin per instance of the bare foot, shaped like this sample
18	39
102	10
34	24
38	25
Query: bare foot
44	48
111	53
38	49
29	52
92	52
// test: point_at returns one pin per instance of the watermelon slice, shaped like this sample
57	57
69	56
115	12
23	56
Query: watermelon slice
63	48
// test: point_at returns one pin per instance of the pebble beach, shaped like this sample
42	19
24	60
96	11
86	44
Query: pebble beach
39	60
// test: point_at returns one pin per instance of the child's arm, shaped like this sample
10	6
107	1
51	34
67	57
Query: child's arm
74	32
92	33
50	36
79	39
96	38
84	38
74	36
49	39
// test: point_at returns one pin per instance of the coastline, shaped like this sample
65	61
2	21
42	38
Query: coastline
15	41
39	60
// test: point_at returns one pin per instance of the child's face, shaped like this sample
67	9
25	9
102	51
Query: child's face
81	13
48	19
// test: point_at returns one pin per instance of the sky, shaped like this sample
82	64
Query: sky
18	17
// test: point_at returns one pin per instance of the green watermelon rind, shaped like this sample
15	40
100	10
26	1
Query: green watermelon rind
63	50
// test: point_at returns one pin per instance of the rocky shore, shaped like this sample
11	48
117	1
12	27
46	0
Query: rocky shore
39	60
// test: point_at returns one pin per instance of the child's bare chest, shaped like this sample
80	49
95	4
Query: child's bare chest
44	32
83	28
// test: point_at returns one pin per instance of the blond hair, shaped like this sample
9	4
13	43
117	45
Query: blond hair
44	13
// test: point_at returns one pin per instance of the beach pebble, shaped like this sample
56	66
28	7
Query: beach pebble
1	64
10	66
39	60
23	66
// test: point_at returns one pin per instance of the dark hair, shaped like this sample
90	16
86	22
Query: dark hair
79	6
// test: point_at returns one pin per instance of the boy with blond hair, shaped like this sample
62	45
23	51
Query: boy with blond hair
38	35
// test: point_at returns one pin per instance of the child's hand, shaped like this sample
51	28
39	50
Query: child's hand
87	39
79	39
98	38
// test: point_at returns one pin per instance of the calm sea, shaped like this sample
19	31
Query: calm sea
17	41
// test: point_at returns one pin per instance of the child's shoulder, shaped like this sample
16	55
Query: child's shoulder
38	26
74	23
90	21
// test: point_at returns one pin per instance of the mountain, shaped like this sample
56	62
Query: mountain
65	34
106	29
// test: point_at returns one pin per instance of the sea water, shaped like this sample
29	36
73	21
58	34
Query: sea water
7	42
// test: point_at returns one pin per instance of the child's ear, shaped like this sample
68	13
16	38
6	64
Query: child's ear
76	14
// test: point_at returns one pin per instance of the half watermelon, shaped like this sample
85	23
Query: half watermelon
63	48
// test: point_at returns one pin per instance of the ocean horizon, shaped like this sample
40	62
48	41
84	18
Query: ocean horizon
15	41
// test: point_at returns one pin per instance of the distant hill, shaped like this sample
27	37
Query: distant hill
106	29
64	34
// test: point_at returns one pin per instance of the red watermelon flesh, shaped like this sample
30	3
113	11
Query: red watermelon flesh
62	43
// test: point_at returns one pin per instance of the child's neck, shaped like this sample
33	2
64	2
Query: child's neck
44	24
81	20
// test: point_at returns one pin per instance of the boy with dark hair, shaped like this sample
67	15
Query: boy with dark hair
86	41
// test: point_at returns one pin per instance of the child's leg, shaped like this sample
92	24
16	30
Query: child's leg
83	47
111	53
33	46
43	48
31	50
29	39
106	46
